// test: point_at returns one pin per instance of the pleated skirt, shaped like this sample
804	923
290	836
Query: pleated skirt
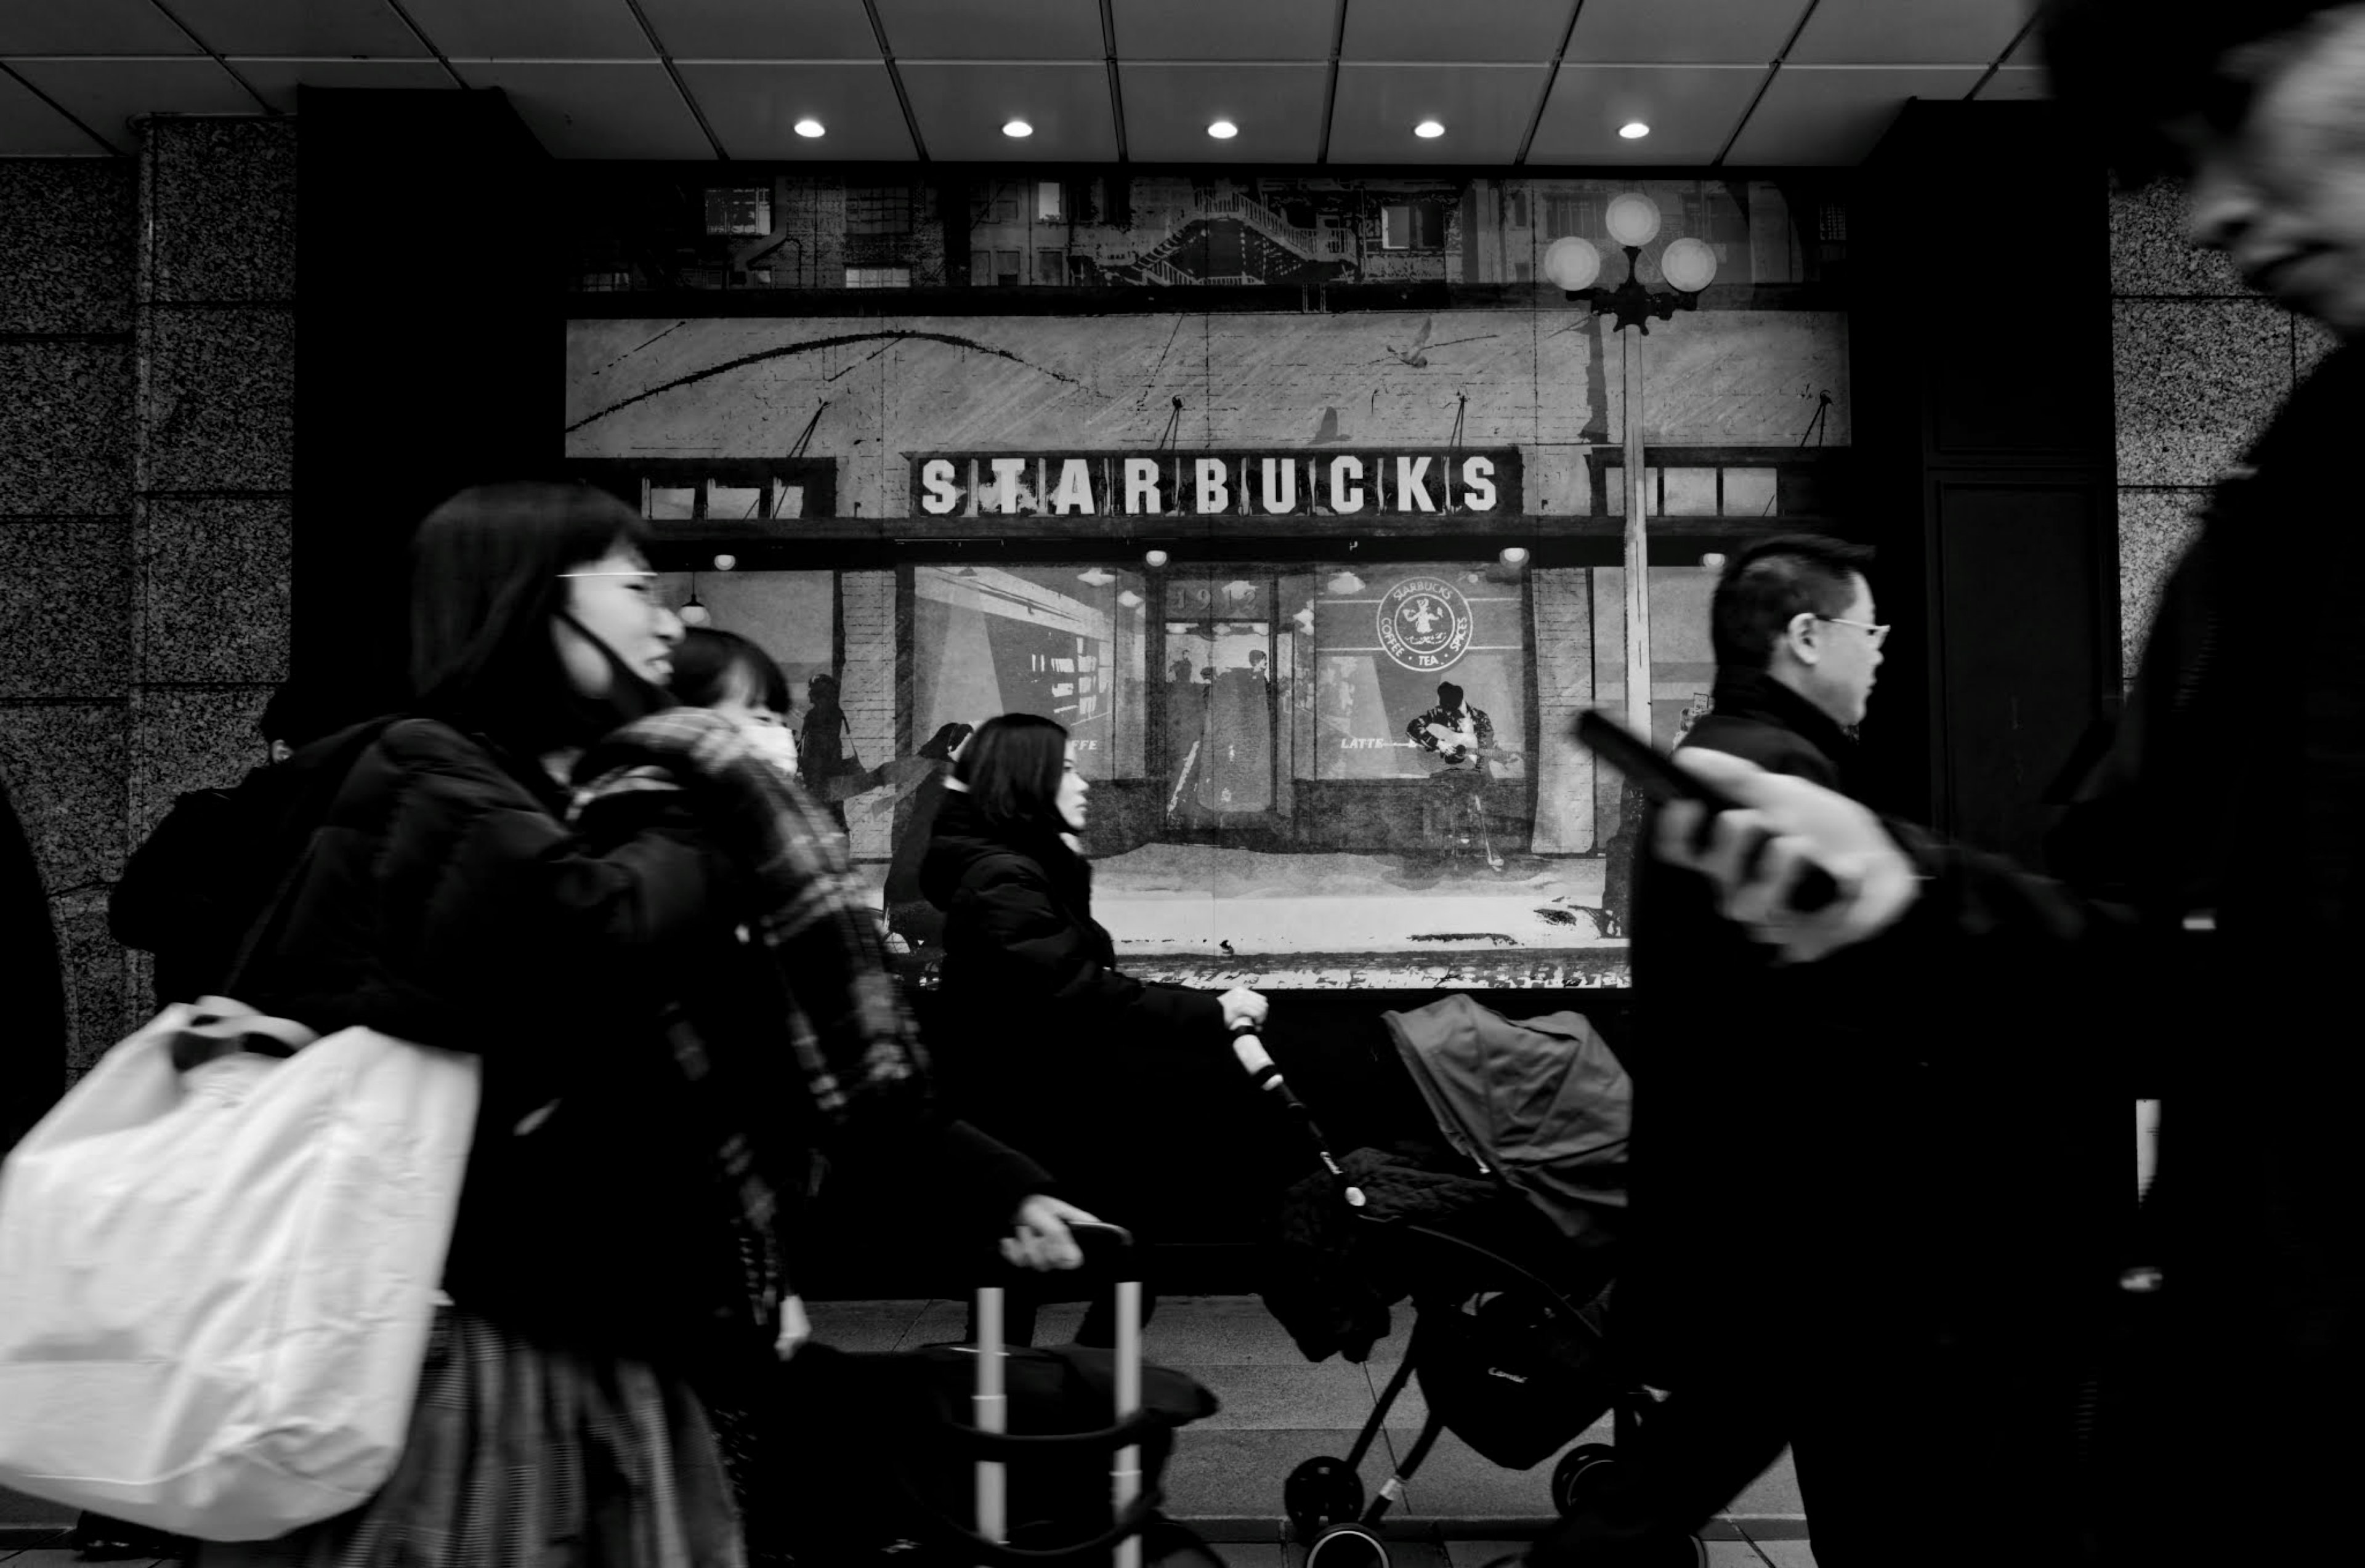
525	1456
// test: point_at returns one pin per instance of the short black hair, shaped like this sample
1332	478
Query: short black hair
1013	768
1768	586
711	664
1448	694
941	745
485	588
2124	69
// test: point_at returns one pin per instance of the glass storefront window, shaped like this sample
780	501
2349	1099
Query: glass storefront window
1067	643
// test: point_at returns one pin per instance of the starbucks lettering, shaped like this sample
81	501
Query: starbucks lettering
1427	482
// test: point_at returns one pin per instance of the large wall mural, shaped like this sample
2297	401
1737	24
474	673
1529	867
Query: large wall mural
1251	557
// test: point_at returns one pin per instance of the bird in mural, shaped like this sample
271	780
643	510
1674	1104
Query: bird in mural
1328	429
1416	355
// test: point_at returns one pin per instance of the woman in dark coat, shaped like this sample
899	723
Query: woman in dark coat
654	1077
1058	1045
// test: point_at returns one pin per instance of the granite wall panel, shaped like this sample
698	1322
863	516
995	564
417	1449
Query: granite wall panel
65	425
217	399
66	251
221	211
189	737
65	763
213	589
2154	527
2196	380
65	606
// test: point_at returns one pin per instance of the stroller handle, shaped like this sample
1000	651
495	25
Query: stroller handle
1258	1064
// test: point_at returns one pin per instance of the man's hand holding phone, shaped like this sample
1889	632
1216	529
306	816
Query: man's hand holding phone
1786	830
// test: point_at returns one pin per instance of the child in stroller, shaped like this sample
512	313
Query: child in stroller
1490	1192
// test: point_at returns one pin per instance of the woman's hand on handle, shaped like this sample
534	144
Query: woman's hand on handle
1040	1238
1243	1009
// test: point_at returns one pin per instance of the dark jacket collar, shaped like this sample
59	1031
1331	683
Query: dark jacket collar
1754	695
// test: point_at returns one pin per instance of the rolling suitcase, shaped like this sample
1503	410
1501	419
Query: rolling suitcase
973	1455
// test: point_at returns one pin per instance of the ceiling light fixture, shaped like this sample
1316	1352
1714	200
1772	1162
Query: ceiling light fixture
1018	127
1429	130
809	127
1223	130
1634	130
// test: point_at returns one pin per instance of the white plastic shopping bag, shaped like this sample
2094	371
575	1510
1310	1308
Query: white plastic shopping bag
217	1281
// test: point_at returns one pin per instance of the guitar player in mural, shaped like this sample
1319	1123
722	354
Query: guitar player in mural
1461	738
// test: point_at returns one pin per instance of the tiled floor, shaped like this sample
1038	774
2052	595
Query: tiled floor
1279	1411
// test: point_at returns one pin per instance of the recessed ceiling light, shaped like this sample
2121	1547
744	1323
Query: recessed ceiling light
809	127
1018	127
1223	130
1634	130
1429	130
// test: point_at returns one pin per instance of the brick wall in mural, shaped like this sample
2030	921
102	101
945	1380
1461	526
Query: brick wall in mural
1311	766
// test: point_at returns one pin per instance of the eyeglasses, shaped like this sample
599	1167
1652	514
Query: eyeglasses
1874	633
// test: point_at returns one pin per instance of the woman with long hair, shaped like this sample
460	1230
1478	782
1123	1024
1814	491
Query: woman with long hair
1059	1046
735	677
650	940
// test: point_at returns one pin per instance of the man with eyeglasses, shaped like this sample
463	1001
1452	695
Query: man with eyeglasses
1794	1278
2232	800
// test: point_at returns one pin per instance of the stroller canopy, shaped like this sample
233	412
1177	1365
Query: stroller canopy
1541	1102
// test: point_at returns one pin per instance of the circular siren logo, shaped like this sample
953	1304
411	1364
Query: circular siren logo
1425	623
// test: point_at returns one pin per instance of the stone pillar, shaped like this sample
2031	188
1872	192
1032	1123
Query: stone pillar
867	693
1563	656
67	231
214	457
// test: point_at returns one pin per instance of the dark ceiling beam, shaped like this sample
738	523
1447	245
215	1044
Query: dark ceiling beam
1773	69
665	58
1116	87
213	54
1330	85
896	76
1552	80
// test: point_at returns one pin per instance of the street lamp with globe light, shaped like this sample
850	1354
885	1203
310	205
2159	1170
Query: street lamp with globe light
1688	265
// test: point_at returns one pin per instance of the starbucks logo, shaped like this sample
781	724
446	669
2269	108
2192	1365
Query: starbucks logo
1425	623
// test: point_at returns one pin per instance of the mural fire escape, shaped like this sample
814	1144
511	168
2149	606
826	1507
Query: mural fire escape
1238	239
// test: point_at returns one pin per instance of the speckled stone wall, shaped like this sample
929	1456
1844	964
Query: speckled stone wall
147	312
2202	365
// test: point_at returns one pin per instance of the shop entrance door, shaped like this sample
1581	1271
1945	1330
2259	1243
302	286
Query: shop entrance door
1224	751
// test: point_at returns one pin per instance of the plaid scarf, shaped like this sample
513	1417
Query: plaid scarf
841	1014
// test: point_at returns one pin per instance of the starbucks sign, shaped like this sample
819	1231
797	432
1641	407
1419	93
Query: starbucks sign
1425	623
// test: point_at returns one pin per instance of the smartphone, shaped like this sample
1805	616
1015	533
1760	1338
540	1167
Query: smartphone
1661	779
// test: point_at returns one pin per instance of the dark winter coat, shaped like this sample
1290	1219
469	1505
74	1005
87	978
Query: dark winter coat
191	891
1054	1044
1880	1161
442	899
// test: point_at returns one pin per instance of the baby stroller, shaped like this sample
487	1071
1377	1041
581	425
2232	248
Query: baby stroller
1508	1260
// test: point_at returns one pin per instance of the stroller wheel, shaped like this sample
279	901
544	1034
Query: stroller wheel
1347	1545
1580	1470
1321	1494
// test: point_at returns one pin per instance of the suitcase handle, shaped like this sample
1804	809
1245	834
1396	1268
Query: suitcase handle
1109	1257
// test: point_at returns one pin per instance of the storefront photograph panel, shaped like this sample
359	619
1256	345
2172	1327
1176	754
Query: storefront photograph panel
1318	594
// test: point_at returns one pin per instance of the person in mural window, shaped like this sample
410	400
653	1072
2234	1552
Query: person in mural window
2210	897
910	915
191	891
1459	735
1186	734
825	757
645	933
1238	775
1625	847
1059	1046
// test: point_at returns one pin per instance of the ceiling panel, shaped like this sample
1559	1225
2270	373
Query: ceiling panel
277	80
104	94
313	29
1907	32
754	108
1222	30
763	30
89	26
1833	114
1278	109
1485	108
1691	109
30	129
531	29
596	109
1005	29
1724	32
962	108
2030	52
1421	31
2016	82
